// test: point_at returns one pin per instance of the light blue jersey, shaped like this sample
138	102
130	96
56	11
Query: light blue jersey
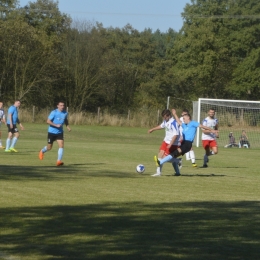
14	113
189	130
57	117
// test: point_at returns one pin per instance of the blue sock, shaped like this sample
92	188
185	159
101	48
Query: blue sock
44	149
166	159
8	142
60	154
14	142
176	168
205	159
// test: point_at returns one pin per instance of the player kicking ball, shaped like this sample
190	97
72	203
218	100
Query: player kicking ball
189	132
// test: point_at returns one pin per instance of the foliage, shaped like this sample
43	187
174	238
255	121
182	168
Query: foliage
44	57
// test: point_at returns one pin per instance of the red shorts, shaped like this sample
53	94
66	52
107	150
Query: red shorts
209	143
166	150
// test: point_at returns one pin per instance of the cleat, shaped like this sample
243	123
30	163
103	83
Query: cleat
194	165
41	155
13	150
176	174
205	166
8	151
180	163
59	163
2	147
158	174
157	162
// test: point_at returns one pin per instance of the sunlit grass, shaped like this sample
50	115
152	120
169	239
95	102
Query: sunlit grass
98	207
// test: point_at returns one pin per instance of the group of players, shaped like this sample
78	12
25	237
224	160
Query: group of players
179	136
56	119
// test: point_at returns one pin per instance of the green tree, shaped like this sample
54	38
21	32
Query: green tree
215	38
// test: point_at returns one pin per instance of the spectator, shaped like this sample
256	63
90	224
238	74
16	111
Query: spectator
244	142
232	141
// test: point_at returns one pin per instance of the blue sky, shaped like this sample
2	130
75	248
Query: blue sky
141	14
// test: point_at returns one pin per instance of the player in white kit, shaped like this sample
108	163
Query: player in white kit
208	138
2	120
171	140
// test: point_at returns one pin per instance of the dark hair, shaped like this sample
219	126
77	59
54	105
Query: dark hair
185	110
188	115
166	112
212	109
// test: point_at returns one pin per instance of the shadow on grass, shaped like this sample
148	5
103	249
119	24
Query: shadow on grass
16	172
202	230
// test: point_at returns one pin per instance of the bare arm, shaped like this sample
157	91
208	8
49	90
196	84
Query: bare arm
176	117
154	129
67	124
210	130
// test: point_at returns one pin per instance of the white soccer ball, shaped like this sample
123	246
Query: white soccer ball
140	168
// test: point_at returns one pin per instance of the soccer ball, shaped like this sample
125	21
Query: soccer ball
140	168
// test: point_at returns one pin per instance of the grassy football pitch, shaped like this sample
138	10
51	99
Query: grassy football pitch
97	207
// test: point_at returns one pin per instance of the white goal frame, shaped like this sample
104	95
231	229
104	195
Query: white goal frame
218	102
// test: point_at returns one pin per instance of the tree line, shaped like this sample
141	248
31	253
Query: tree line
45	56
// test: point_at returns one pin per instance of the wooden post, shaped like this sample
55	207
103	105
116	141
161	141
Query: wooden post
98	115
158	116
128	117
33	115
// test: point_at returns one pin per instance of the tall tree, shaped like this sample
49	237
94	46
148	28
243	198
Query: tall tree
211	45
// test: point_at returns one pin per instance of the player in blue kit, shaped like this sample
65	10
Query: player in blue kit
189	131
12	121
56	120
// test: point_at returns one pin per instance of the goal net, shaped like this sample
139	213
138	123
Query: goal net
234	116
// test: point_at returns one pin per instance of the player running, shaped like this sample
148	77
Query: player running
56	120
208	138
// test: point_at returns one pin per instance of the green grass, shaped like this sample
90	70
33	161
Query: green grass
98	207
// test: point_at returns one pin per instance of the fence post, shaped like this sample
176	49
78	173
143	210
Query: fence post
33	114
158	116
98	115
128	117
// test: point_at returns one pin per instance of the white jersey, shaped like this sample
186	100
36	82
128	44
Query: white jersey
212	124
2	114
171	129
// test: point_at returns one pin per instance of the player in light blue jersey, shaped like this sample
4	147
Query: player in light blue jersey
13	133
189	131
56	120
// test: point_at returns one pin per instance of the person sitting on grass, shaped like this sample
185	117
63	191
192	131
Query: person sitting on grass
244	140
232	141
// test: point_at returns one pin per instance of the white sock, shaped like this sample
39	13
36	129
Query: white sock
187	156
192	156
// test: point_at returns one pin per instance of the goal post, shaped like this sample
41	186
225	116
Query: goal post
234	116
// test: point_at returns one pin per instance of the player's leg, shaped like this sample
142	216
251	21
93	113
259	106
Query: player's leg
192	157
60	142
48	147
1	145
187	156
16	135
206	146
9	138
162	153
